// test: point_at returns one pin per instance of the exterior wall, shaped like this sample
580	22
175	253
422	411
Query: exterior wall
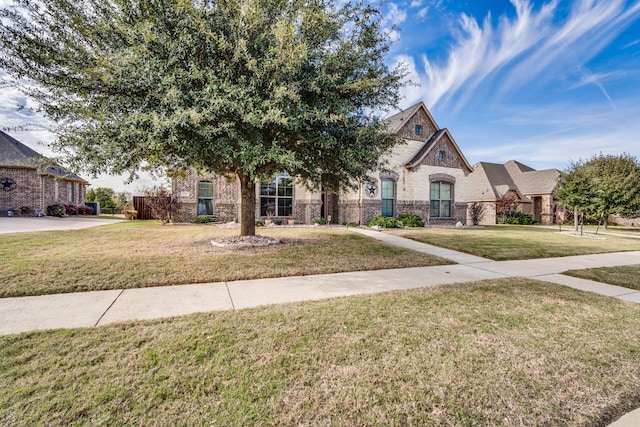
28	191
307	205
226	196
489	215
38	191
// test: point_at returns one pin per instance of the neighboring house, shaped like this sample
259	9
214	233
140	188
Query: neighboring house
426	176
27	182
533	189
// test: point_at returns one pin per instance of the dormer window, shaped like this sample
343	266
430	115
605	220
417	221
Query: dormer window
441	155
418	130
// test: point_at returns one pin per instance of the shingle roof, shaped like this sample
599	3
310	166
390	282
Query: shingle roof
14	153
490	181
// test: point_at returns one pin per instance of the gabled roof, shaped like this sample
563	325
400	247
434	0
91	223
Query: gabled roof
398	120
13	153
432	142
491	181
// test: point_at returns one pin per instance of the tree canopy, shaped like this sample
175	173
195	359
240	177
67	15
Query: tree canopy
601	186
238	87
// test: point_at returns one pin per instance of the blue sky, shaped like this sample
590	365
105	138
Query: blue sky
542	82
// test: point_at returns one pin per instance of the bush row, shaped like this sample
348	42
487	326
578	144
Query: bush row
65	210
403	220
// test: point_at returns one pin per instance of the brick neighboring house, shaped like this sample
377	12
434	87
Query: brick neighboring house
534	189
426	176
25	181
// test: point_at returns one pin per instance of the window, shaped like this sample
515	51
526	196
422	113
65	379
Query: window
441	155
276	197
440	206
418	129
205	198
388	196
70	193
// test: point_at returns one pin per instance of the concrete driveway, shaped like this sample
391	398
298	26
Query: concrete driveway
22	225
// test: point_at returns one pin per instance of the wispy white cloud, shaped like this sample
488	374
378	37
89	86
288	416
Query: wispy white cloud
531	47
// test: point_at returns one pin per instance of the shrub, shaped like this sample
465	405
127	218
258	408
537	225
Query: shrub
26	210
410	220
204	219
320	221
259	223
70	210
476	212
85	210
383	221
56	210
519	218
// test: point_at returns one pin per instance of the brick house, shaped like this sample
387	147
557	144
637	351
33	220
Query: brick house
426	175
27	182
534	189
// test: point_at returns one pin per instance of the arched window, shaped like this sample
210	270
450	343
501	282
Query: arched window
440	201
388	196
205	198
276	196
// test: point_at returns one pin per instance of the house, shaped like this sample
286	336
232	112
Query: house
28	184
531	189
426	176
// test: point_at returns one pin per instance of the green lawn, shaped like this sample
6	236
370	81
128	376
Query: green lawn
504	352
518	242
143	253
627	276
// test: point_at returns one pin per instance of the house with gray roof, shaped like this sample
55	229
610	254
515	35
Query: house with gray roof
425	176
29	182
533	190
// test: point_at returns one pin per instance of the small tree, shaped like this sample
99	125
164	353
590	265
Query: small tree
161	203
507	204
601	186
476	212
103	195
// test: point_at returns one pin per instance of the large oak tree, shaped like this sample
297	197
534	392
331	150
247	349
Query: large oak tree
247	88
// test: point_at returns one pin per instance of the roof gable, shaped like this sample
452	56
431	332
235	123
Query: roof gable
405	122
440	150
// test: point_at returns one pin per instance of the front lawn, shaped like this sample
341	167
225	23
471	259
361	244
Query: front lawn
505	352
143	253
627	276
518	242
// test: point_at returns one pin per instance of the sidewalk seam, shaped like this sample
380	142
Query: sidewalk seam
109	308
233	306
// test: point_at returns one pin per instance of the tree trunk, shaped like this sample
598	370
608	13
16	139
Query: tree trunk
247	207
575	219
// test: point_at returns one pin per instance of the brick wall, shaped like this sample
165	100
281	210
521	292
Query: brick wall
27	192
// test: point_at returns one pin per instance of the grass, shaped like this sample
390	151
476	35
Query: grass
518	242
143	253
504	352
625	276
